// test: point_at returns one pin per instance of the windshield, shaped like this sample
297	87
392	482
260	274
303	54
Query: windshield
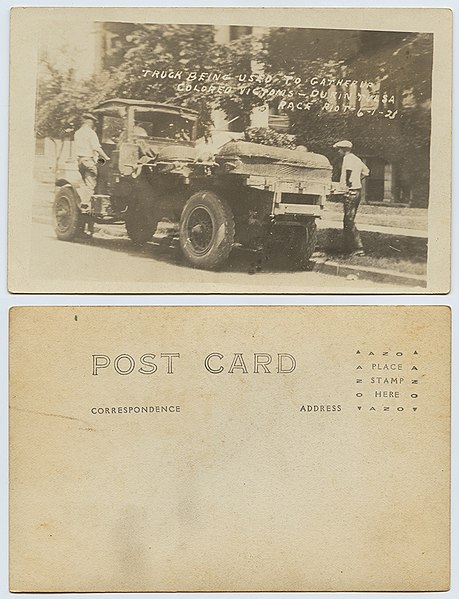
112	127
149	123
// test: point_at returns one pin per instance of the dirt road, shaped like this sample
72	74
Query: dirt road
114	262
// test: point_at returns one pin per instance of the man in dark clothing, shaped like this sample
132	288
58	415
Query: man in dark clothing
353	170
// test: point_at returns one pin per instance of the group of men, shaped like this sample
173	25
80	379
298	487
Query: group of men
353	170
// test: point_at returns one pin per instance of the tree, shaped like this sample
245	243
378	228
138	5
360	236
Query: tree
400	63
169	49
141	71
270	137
154	59
187	50
62	100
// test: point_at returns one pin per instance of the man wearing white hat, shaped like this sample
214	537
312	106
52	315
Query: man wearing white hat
353	170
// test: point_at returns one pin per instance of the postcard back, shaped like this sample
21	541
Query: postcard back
229	449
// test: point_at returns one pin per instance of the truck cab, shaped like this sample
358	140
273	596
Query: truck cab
128	129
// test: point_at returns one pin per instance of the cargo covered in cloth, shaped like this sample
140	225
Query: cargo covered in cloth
246	158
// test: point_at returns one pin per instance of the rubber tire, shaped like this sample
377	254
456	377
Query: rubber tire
300	253
140	225
141	217
223	230
291	253
76	224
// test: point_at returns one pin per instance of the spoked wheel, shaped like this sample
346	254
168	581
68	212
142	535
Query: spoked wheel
68	220
206	230
199	230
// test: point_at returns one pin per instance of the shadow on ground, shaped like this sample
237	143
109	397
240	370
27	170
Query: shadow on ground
240	260
390	252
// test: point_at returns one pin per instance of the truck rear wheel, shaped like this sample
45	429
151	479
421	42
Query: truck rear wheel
141	217
68	220
292	245
140	225
206	230
302	245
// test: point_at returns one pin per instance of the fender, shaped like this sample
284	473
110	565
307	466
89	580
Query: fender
59	183
62	183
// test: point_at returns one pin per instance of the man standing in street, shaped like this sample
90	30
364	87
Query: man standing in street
88	150
353	170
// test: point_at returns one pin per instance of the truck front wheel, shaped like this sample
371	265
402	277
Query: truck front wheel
206	230
68	220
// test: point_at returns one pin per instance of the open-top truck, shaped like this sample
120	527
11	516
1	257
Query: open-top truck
162	185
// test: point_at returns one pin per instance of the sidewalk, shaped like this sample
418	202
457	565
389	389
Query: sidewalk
326	223
391	220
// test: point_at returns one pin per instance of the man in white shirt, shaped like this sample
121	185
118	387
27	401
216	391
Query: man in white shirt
88	150
353	170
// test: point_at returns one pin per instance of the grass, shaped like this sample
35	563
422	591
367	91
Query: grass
403	254
384	216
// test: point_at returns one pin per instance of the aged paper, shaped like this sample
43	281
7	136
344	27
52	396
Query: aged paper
229	448
219	158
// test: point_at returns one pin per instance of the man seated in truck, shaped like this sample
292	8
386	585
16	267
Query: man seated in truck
88	150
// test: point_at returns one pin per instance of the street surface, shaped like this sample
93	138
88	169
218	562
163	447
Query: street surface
116	261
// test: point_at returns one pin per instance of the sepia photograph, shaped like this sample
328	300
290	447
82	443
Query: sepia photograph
184	157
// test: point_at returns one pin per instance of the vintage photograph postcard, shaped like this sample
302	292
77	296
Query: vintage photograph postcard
229	448
230	150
